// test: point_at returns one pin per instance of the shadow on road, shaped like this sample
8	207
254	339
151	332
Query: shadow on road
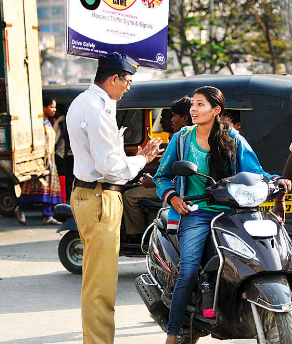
141	325
77	336
37	293
31	251
59	291
57	338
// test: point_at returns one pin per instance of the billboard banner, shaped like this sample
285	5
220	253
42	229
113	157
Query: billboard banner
138	28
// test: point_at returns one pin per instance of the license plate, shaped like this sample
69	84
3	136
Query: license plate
270	205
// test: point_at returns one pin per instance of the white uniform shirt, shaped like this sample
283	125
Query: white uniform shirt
96	142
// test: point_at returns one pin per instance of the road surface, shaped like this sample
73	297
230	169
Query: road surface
40	300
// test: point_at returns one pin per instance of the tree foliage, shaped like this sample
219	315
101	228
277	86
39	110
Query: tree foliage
208	35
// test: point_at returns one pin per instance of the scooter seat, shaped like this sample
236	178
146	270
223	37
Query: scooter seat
62	212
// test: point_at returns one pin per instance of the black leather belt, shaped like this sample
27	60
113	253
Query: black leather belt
92	185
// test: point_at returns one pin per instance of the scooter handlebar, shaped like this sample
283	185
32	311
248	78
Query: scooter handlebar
197	198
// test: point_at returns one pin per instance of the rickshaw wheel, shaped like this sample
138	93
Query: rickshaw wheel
70	252
8	203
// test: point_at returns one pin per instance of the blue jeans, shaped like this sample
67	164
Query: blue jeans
192	235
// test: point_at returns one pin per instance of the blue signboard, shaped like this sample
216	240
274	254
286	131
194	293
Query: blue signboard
138	28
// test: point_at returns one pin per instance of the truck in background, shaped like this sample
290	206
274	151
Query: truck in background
22	139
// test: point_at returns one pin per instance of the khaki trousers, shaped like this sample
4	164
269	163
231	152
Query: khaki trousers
133	214
98	216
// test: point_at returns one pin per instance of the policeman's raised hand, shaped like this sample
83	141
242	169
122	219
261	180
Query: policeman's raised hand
152	146
151	150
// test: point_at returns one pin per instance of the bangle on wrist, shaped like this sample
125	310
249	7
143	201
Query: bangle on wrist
279	200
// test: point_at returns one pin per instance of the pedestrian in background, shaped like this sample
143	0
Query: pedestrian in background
61	149
47	191
280	204
101	168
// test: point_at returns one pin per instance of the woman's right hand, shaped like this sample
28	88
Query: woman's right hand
179	205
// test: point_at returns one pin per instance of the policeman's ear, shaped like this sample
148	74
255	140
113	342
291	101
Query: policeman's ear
113	79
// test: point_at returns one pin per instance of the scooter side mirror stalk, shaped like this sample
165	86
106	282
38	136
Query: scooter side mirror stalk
187	168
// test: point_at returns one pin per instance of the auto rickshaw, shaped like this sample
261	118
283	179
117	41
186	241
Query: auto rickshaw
262	104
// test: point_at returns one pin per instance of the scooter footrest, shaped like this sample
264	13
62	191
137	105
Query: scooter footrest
147	279
201	318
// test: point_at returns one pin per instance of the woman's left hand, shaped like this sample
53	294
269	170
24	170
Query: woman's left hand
179	205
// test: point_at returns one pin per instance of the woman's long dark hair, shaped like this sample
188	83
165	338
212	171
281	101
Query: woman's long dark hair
221	145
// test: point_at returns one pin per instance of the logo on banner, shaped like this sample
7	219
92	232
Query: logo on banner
160	58
90	4
120	5
152	3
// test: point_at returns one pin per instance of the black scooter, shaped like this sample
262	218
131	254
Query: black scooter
70	249
244	286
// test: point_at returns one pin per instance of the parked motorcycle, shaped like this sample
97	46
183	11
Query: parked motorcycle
243	290
70	249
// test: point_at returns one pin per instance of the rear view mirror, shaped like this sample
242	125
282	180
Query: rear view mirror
184	168
187	168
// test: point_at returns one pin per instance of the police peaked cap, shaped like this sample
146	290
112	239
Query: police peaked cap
118	61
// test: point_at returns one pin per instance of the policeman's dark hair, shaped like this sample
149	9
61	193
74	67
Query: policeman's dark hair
104	73
48	101
221	145
182	108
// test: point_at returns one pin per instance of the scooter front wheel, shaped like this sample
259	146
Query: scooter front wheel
70	252
277	327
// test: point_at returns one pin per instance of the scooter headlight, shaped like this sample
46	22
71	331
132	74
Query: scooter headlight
239	247
249	195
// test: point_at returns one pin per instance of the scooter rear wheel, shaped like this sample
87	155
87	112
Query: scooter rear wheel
277	327
70	252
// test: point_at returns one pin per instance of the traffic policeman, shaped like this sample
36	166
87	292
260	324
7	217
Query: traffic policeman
101	168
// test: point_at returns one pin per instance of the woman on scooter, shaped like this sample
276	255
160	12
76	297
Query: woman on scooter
219	151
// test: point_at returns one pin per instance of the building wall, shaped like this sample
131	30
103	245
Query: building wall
52	19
